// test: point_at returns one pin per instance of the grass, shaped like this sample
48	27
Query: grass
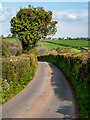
87	48
66	44
79	43
72	45
50	46
75	50
10	40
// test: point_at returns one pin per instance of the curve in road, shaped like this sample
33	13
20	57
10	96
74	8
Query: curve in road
48	95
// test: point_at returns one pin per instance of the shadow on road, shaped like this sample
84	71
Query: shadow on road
60	86
63	91
65	111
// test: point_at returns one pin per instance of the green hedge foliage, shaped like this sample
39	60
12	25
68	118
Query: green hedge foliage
77	72
16	73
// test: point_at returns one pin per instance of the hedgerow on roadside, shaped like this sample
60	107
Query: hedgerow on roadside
11	48
5	50
16	73
77	72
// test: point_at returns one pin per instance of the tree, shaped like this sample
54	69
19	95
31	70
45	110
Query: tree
9	35
31	24
2	36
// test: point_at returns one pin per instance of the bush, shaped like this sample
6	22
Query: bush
41	51
58	50
13	47
5	50
53	51
40	44
16	73
77	73
17	53
61	50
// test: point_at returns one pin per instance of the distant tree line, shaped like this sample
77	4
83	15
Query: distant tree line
82	38
69	38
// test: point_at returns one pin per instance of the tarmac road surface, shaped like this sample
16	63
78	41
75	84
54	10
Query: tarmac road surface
48	95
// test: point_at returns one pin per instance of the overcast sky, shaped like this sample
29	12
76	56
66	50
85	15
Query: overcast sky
72	17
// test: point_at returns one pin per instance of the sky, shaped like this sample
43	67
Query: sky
72	17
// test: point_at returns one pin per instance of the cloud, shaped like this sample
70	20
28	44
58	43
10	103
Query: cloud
0	6
6	14
73	17
3	13
71	23
74	29
64	15
69	15
6	28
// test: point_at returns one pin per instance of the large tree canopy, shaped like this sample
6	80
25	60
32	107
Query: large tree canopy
31	24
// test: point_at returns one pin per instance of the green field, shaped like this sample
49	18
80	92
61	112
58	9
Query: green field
79	43
72	45
10	40
50	45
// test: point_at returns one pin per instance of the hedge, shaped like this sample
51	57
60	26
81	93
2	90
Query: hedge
16	73
77	72
5	50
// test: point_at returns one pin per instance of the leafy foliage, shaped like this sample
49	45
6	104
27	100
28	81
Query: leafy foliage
41	50
30	24
16	73
77	72
11	48
17	53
